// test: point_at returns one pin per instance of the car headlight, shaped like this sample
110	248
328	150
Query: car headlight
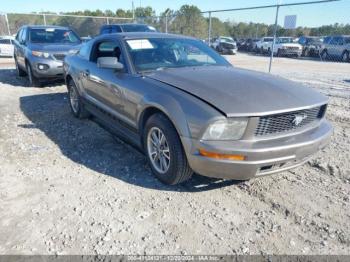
226	129
40	54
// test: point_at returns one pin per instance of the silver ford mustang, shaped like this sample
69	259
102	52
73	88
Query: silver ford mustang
190	111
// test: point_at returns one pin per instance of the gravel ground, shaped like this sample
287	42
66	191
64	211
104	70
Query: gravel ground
67	186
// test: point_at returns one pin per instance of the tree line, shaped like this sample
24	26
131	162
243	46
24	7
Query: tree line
188	20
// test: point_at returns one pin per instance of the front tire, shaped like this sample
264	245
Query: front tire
324	55
75	101
33	81
164	151
345	56
20	71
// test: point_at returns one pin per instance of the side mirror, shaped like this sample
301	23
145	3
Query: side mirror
109	62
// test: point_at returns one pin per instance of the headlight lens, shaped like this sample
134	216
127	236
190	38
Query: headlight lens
226	129
40	54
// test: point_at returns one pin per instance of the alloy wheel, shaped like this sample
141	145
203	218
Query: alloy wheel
158	150
74	100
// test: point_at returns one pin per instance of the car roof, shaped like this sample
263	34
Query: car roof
138	35
46	26
121	24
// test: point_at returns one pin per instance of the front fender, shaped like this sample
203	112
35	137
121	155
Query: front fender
170	107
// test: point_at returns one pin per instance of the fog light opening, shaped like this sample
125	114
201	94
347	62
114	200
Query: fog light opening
43	67
214	155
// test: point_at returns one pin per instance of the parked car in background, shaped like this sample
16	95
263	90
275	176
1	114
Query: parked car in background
118	28
262	46
338	47
189	110
286	46
225	45
85	38
311	45
40	50
6	46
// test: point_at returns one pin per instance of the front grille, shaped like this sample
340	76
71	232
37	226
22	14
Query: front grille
228	46
59	57
285	122
292	48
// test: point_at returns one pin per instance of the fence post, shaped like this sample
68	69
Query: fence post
166	23
44	17
209	29
8	24
274	38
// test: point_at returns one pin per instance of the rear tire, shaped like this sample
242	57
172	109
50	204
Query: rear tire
33	81
168	153
345	56
75	101
324	55
20	71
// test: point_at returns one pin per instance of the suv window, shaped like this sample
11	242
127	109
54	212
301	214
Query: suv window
116	29
105	30
347	40
107	48
84	51
5	41
19	34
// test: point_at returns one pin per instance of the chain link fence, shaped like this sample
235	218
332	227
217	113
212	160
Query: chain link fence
259	35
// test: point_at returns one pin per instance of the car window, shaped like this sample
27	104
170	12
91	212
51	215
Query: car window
137	28
22	36
53	35
161	53
347	40
19	34
116	29
5	41
84	51
107	48
105	30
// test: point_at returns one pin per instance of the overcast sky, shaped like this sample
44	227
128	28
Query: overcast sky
309	15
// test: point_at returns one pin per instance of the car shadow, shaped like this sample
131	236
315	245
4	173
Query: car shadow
10	77
86	143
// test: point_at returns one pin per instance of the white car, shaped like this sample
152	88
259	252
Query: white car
225	45
6	46
286	46
263	44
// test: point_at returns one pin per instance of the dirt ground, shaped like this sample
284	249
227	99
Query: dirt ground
67	186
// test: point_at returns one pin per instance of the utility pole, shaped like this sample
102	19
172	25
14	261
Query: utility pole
7	23
133	11
274	37
44	17
209	30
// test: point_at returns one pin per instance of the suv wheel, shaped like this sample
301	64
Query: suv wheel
75	102
164	151
20	71
324	55
33	81
345	56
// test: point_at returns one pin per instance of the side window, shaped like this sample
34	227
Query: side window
23	36
105	30
84	51
19	34
116	29
5	41
334	41
107	48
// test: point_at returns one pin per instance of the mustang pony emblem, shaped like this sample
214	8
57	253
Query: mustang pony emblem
298	119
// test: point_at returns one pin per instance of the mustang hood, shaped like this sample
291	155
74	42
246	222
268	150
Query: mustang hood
238	92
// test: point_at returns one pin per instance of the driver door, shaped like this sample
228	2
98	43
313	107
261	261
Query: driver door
105	87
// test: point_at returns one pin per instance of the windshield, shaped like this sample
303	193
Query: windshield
268	39
161	53
53	36
138	28
285	40
227	39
